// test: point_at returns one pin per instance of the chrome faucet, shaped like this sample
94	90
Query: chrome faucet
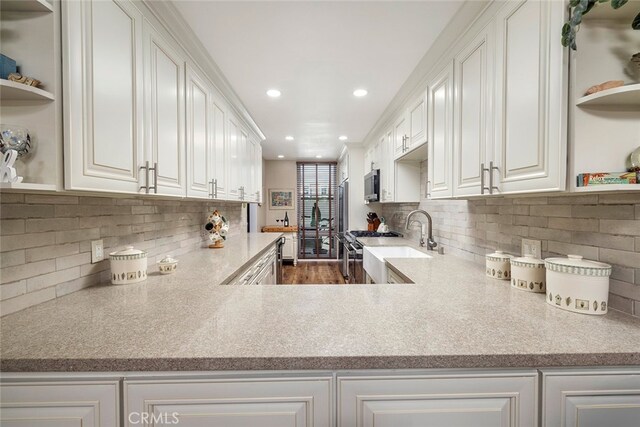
430	243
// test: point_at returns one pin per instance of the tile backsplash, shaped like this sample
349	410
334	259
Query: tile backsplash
599	227
45	240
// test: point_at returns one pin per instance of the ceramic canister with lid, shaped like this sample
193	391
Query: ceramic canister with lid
499	265
128	266
577	284
167	265
528	274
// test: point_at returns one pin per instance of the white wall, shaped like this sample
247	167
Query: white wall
277	174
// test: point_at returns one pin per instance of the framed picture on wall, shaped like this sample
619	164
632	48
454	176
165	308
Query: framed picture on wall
281	199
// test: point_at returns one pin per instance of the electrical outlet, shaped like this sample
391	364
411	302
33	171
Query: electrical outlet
532	247
97	251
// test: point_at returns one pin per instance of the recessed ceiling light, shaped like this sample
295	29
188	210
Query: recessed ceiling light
273	93
288	138
360	93
318	156
343	138
280	156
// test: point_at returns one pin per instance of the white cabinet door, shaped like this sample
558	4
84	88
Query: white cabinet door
60	404
227	402
400	135
257	149
531	97
389	161
472	115
440	108
103	105
591	398
244	155
417	116
199	138
164	95
438	400
233	160
219	153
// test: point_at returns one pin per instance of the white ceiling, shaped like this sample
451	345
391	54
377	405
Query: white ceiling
316	53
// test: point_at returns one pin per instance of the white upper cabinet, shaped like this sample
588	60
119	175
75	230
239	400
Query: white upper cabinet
219	156
440	105
199	135
400	136
472	115
103	85
417	116
387	170
164	95
531	98
233	159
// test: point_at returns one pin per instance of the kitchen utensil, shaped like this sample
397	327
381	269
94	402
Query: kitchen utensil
528	274
498	265
578	285
128	266
167	265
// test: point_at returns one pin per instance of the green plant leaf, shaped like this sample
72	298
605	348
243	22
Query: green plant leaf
591	4
574	3
616	4
636	22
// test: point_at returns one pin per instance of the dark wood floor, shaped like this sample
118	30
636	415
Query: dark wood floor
313	272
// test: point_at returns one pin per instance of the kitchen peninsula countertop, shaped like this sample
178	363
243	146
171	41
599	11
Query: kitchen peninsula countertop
453	317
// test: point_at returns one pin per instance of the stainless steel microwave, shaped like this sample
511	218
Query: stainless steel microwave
372	186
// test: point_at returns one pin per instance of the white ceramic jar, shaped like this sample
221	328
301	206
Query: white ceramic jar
528	274
499	265
578	285
128	266
167	265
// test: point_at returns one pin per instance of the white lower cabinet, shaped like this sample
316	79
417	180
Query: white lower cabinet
431	399
60	404
234	402
591	398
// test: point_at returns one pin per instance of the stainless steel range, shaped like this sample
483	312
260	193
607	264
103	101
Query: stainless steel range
352	268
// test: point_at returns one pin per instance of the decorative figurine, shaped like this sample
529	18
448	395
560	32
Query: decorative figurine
218	226
15	142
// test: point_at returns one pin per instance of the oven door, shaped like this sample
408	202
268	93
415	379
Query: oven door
356	270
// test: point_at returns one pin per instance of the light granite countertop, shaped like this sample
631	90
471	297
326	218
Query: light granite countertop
453	317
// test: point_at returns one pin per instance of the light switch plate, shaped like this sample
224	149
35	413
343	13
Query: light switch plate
97	251
533	247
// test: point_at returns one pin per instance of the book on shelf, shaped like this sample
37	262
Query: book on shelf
607	178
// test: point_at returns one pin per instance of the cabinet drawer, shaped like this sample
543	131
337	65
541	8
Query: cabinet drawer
461	400
53	404
591	398
395	278
241	402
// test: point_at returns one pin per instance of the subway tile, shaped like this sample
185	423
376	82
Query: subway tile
129	202
10	227
77	235
551	210
21	302
6	198
637	212
613	226
13	289
51	224
562	248
89	269
52	251
52	279
498	201
637	244
13	258
77	284
533	221
550	234
100	201
22	211
611	241
48	199
69	261
574	224
619	198
70	211
531	201
624	258
619	303
624	274
18	272
590	199
137	210
30	240
624	289
636	308
603	211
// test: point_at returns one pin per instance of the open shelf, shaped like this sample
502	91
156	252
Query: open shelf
25	6
606	188
17	91
27	186
627	96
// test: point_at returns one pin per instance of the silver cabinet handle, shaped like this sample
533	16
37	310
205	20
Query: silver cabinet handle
483	188
146	169
428	192
215	188
155	177
491	169
372	165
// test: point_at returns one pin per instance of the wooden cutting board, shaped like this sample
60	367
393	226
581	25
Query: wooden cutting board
279	229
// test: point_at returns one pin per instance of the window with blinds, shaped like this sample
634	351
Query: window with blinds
317	210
